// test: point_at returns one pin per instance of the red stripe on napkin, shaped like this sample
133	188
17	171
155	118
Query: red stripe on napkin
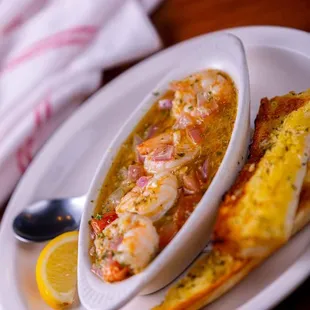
13	24
80	35
24	154
42	113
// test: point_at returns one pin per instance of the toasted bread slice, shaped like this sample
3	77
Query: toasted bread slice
270	117
194	292
263	217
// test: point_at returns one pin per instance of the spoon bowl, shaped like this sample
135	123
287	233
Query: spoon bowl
46	219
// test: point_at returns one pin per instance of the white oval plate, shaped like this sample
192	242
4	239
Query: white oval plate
219	51
278	62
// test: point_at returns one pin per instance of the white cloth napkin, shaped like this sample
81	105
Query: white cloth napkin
52	54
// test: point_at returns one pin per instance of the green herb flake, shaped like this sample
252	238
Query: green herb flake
98	216
156	93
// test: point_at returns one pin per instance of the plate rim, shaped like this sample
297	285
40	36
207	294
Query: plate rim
290	34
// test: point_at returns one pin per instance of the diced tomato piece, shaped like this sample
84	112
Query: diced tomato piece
99	225
113	272
166	232
185	207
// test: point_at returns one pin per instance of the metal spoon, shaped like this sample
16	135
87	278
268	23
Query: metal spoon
46	219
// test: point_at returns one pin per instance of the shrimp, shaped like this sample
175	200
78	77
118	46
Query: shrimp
182	155
151	144
154	199
125	247
168	151
199	95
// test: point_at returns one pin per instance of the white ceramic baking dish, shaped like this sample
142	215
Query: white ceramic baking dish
220	51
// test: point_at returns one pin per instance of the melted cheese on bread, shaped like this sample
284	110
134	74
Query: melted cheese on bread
263	217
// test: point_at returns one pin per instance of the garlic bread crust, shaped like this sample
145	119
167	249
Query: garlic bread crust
210	276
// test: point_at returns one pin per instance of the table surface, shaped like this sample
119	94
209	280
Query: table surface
178	20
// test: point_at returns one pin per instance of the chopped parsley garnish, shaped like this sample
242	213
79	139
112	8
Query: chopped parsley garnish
155	93
98	216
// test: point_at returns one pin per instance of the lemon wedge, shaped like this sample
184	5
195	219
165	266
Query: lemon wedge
56	270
